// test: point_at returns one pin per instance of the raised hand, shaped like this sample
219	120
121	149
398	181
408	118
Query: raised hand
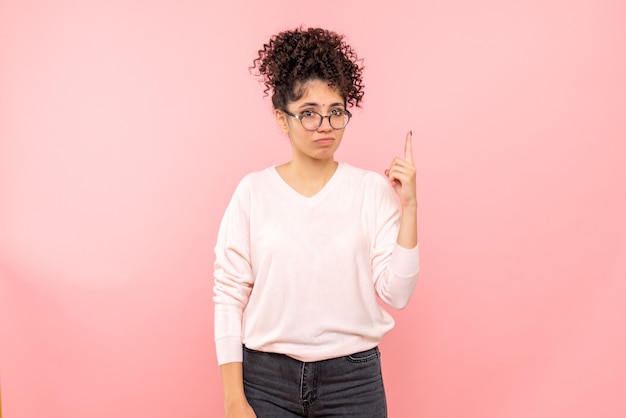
401	174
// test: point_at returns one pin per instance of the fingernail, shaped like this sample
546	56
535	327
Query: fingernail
411	132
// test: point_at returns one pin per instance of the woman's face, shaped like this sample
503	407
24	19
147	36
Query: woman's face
321	143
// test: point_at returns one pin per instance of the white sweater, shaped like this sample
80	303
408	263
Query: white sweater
300	275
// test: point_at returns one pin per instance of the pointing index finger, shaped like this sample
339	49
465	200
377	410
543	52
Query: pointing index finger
408	147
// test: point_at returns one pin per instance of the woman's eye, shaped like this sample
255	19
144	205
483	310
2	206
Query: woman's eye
336	112
307	113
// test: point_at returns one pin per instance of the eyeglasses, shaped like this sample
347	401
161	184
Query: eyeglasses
311	120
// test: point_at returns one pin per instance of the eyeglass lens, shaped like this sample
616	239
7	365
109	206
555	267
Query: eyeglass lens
312	121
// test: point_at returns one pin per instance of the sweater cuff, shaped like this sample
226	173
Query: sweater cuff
229	350
405	262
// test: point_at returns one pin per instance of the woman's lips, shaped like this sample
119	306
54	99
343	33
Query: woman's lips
324	141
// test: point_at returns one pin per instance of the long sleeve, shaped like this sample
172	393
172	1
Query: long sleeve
395	268
233	276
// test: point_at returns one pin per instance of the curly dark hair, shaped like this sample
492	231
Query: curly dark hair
292	58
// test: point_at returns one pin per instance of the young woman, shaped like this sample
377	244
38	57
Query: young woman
305	248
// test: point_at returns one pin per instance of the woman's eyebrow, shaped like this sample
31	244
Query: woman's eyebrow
314	104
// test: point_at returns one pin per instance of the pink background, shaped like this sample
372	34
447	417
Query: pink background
125	126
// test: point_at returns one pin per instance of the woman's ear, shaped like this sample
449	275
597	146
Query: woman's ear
281	120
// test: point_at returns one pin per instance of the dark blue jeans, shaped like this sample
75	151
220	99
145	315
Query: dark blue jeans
278	386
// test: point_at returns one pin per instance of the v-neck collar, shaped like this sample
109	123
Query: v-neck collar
317	196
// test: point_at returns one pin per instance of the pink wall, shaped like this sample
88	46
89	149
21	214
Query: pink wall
125	125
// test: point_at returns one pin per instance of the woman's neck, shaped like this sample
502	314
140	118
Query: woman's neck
307	177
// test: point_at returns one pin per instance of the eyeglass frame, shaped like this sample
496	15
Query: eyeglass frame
322	117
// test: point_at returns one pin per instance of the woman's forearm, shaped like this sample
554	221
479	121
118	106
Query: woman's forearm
232	381
235	403
407	235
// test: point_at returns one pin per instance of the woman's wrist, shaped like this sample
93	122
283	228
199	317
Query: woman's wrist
410	206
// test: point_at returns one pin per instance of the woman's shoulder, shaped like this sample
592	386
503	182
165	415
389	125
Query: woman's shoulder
362	175
251	184
258	176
